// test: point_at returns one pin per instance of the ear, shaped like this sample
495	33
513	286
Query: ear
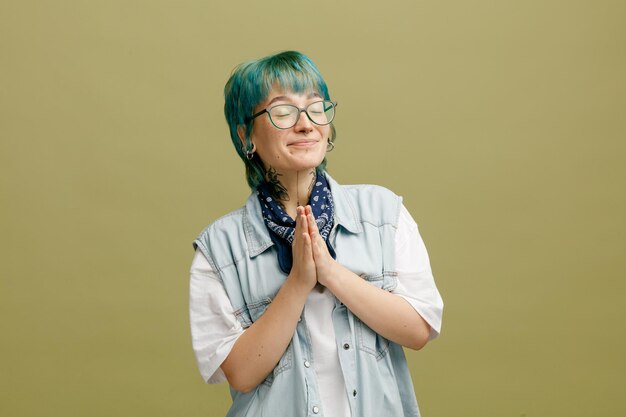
241	132
242	137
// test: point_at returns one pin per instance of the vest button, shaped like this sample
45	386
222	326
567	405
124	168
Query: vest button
307	364
316	409
346	346
354	393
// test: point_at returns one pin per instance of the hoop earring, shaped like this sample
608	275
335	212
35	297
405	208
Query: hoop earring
330	146
249	152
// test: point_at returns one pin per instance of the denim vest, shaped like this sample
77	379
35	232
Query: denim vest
378	383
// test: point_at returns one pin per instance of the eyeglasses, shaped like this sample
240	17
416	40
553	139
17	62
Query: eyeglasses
285	116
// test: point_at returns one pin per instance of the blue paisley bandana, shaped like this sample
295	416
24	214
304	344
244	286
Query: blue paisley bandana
282	227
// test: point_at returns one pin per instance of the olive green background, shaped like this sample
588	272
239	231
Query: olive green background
501	123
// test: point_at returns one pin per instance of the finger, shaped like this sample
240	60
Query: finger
316	250
311	224
307	248
301	226
303	220
297	230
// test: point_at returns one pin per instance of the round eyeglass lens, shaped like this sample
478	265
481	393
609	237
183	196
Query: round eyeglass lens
321	112
284	116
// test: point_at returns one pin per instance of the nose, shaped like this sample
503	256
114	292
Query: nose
303	124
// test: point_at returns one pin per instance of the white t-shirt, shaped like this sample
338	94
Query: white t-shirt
215	329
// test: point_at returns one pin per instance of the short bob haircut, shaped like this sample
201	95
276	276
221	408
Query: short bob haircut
251	82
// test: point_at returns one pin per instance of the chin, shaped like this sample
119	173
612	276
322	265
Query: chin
310	163
300	162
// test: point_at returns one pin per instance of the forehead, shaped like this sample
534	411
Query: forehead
281	95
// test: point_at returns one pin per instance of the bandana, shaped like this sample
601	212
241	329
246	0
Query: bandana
282	227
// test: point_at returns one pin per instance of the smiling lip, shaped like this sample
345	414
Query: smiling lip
303	143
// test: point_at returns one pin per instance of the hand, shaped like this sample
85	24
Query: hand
303	268
325	265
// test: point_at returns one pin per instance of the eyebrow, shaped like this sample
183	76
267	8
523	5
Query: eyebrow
279	98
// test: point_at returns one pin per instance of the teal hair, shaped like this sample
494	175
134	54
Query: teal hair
251	83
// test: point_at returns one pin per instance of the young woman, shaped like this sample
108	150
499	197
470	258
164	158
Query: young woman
303	298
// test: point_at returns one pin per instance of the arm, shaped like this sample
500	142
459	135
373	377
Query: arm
260	347
389	315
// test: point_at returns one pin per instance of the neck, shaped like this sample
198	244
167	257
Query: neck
293	188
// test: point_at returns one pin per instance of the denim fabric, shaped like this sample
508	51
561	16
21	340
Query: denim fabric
378	382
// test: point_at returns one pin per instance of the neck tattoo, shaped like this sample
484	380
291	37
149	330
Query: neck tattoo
277	189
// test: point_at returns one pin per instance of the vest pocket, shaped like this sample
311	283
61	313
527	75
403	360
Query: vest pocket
258	307
250	312
387	280
369	341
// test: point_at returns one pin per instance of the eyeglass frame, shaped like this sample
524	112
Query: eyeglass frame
267	109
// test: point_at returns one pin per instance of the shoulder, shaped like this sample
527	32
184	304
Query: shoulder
373	203
370	192
227	232
225	223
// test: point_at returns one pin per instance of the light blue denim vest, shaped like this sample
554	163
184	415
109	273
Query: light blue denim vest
378	383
